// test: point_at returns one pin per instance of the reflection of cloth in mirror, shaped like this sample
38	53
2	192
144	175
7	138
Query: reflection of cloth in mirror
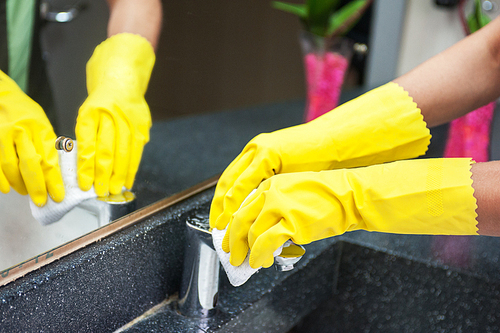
53	211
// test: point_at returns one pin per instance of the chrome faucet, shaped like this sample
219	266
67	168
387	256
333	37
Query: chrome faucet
200	277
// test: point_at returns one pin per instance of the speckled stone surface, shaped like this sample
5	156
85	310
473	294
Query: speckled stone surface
105	285
474	255
270	301
186	151
380	292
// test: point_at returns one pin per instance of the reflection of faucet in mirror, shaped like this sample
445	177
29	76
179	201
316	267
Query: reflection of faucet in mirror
106	208
110	208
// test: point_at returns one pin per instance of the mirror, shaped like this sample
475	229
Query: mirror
214	58
22	237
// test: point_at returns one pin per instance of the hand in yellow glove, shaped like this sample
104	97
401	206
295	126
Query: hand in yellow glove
29	160
380	126
113	123
428	196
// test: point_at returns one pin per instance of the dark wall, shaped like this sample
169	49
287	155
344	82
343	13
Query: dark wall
222	54
213	55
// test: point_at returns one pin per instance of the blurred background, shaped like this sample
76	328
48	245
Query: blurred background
216	55
213	55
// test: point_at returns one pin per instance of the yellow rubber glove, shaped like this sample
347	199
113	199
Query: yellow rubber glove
29	160
113	123
380	126
428	196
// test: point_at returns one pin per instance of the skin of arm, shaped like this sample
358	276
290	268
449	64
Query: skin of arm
486	177
456	81
142	17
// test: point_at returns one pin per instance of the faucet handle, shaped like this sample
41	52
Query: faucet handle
289	256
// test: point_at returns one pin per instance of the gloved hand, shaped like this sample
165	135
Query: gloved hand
113	123
427	196
380	126
29	160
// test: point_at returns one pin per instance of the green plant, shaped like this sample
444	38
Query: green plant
326	17
477	19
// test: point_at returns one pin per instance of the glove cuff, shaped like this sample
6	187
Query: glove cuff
122	61
383	125
426	196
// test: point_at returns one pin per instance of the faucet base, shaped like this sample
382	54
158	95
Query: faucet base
200	278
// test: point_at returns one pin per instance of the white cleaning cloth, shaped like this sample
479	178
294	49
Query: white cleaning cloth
54	211
237	274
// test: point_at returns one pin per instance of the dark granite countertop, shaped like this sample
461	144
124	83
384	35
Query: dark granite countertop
186	151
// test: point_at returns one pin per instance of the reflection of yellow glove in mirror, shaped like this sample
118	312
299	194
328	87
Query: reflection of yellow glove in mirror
29	160
113	123
380	126
428	196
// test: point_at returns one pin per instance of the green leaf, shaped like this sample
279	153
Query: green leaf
320	10
346	17
472	23
477	19
319	14
297	9
483	19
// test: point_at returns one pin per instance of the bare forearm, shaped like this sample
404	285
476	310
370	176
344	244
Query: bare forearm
486	178
458	80
139	17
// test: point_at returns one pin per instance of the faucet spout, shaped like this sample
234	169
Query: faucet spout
200	278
